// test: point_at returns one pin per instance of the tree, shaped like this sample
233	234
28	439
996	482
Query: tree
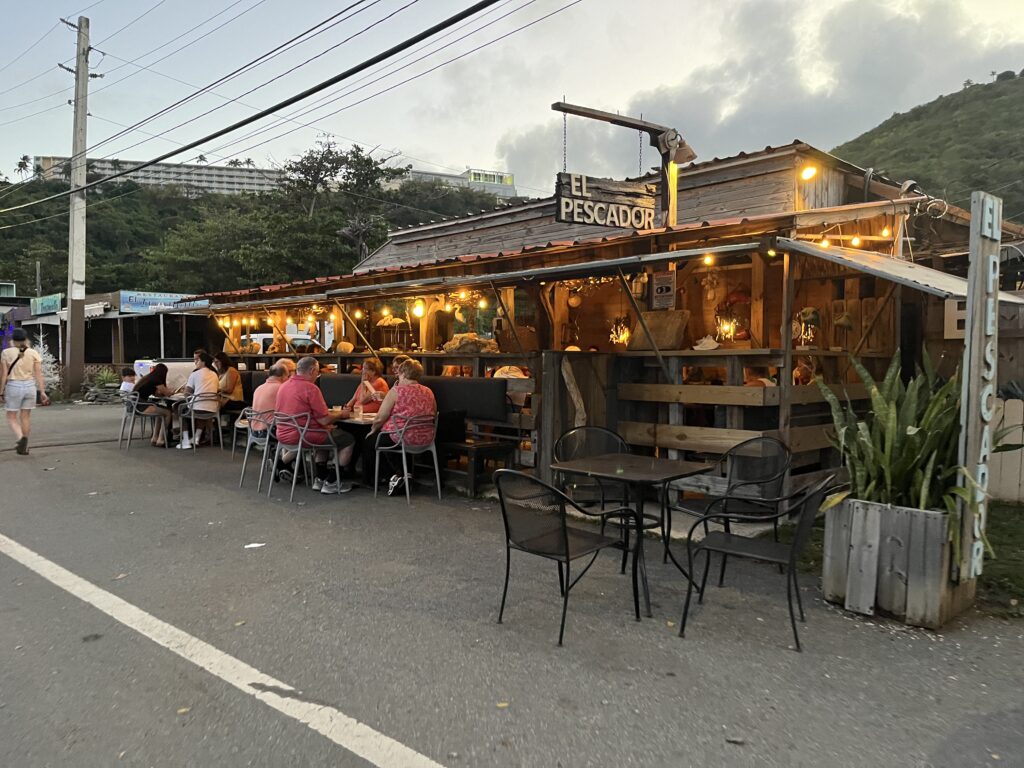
417	202
235	163
968	83
1008	74
24	166
201	160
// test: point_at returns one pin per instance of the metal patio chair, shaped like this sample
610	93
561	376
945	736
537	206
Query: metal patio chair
398	436
295	447
193	410
134	410
261	442
802	507
536	522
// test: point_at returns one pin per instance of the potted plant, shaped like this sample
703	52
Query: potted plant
892	538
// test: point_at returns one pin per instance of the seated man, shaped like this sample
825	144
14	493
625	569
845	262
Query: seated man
301	397
265	396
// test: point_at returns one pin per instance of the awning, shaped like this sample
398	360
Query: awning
560	272
92	311
906	273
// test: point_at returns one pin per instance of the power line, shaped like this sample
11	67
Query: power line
132	22
354	70
273	53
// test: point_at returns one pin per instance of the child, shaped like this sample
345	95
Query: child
127	381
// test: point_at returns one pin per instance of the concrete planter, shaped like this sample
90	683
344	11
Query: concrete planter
893	560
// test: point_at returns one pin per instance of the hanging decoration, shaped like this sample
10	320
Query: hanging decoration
620	331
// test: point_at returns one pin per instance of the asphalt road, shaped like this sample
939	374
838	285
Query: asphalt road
386	613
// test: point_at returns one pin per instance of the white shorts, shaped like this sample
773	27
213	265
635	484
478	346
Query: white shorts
19	395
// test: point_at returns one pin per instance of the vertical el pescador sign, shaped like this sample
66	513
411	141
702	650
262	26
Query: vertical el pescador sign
981	354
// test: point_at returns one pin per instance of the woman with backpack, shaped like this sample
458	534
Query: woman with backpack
21	378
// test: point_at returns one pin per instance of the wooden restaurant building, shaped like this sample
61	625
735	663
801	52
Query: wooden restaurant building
684	333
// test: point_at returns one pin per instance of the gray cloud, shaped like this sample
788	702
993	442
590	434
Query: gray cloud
882	60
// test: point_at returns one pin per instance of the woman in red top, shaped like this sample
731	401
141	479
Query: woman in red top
371	390
407	400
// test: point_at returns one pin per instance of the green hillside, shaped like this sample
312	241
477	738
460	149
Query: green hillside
972	139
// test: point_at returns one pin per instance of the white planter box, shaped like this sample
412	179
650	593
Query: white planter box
893	560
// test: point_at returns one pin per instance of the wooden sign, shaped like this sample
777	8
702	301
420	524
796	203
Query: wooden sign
604	202
981	354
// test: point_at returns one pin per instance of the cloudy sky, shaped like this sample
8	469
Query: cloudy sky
732	75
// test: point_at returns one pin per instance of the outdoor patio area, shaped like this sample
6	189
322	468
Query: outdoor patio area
387	612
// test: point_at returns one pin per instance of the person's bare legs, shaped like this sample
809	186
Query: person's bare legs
26	421
14	422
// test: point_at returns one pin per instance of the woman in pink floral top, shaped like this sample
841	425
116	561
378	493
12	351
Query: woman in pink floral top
407	400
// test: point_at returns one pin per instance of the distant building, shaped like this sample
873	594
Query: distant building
218	179
496	182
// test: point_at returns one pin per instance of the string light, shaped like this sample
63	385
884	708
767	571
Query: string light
289	320
482	304
462	295
855	242
709	260
886	232
235	323
447	306
386	311
358	314
825	242
418	309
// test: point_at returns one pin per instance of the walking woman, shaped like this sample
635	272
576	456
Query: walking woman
21	377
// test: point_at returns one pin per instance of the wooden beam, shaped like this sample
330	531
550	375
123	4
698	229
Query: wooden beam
758	315
700	394
684	438
786	375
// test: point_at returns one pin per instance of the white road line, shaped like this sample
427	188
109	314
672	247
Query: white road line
343	730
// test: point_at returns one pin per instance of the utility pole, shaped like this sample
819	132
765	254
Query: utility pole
39	281
75	360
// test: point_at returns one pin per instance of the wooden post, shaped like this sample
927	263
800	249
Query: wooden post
549	413
118	342
758	282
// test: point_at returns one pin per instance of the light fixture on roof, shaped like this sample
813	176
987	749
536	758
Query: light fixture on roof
886	232
809	172
418	309
709	259
855	242
358	314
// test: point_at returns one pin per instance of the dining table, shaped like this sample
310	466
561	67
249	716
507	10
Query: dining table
636	474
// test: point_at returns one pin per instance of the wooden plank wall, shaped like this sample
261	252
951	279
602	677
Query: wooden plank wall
1006	468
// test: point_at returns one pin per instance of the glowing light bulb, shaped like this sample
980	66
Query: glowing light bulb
825	243
418	309
772	253
309	319
709	260
447	306
358	314
235	323
808	172
289	320
482	304
855	242
462	295
886	232
386	311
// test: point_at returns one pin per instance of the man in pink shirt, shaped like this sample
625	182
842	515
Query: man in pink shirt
301	397
265	396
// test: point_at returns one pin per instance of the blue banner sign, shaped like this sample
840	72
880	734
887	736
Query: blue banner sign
46	305
141	302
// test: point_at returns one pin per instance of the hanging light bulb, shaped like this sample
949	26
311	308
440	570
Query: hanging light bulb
482	304
447	306
358	314
386	311
289	320
462	295
235	323
886	232
709	260
309	320
825	242
855	242
418	309
808	172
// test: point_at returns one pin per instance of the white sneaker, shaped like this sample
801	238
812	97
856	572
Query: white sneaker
318	483
706	343
184	445
340	487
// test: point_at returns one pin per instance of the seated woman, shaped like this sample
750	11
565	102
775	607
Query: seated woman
202	381
406	401
372	388
154	384
232	397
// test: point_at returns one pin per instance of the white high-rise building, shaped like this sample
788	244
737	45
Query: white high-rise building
197	179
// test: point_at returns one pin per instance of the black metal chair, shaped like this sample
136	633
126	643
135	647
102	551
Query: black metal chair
755	472
135	410
584	442
535	518
803	506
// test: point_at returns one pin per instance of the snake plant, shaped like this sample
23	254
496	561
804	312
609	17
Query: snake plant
904	450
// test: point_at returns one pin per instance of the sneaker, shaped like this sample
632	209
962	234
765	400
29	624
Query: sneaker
395	484
22	446
706	343
284	476
184	445
339	487
318	483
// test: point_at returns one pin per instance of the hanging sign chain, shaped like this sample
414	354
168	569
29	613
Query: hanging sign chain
565	137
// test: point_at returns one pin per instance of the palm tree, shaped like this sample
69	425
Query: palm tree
202	160
236	163
249	163
24	166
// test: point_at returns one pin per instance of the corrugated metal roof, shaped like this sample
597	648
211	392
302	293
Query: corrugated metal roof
906	273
